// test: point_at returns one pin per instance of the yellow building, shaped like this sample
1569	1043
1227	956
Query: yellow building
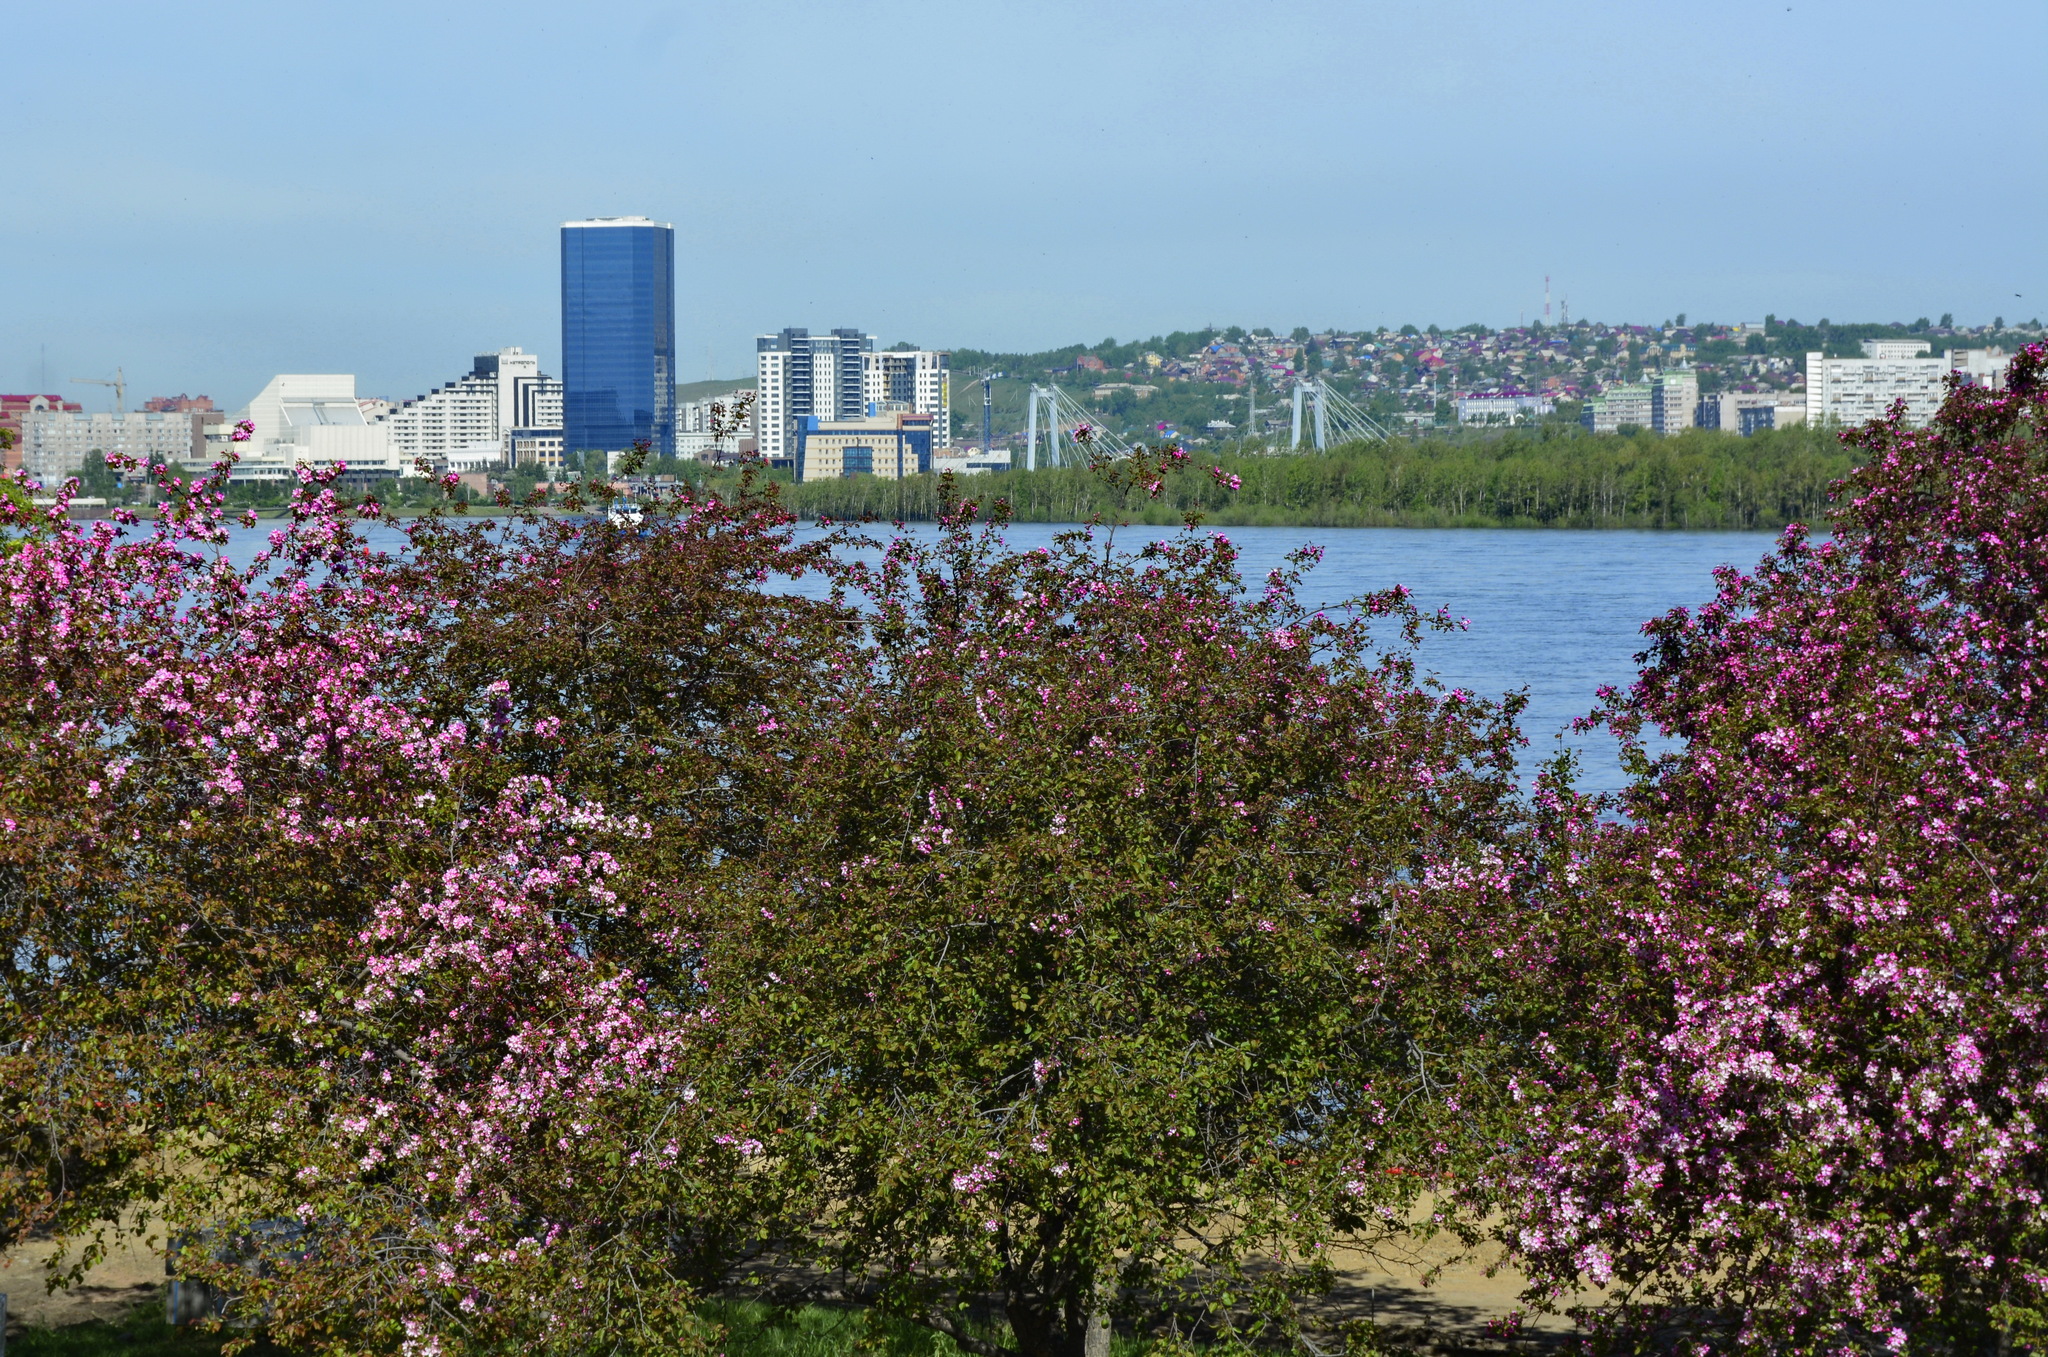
891	444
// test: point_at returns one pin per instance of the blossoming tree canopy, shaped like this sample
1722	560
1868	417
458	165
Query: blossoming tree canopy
1795	1101
238	801
1048	984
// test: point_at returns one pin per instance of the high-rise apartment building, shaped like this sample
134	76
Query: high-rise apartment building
1674	396
1857	390
1625	405
799	375
1981	367
914	380
468	423
13	409
55	442
618	335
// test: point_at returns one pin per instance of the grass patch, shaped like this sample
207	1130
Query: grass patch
752	1329
142	1334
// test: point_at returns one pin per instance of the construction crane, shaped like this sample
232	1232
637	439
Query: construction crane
119	382
988	411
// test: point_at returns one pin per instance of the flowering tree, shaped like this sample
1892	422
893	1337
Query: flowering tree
1795	1090
1053	982
239	803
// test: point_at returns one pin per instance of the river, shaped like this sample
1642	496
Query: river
1552	611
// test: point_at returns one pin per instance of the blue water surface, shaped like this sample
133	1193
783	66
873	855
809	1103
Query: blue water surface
1556	613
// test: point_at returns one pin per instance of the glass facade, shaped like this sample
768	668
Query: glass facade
618	335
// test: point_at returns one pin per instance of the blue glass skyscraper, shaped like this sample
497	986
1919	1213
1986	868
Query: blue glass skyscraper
618	335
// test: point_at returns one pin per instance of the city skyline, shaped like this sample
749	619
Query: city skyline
1054	176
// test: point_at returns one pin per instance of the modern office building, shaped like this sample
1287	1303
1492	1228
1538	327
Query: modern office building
800	375
618	335
1674	395
314	419
1857	390
56	442
890	446
470	420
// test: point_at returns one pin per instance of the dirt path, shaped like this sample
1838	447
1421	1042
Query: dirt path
129	1275
1462	1309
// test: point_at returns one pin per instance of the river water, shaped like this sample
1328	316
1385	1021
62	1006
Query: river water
1555	612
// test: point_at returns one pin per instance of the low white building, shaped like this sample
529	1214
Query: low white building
56	442
501	392
312	419
970	461
1503	407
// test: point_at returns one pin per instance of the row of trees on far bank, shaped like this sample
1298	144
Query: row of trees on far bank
499	946
1543	477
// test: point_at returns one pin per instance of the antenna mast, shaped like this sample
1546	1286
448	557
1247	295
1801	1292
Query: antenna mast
1546	301
1251	417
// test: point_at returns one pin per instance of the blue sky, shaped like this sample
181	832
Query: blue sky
207	194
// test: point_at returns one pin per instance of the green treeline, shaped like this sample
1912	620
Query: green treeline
1551	476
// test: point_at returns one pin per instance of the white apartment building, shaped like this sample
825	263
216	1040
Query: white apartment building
911	379
698	423
1625	403
1674	396
1858	390
467	424
56	442
840	376
311	419
1981	367
1501	407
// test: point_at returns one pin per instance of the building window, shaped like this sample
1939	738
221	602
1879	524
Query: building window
857	462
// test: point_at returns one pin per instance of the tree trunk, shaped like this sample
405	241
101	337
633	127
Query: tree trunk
1095	1335
1054	1332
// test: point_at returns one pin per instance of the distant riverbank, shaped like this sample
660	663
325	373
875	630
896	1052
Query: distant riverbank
1540	478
